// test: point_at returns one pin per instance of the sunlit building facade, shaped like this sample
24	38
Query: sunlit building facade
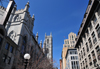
68	43
88	38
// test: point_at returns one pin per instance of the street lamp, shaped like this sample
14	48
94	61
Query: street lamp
26	57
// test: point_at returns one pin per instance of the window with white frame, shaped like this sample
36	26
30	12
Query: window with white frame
98	30
94	38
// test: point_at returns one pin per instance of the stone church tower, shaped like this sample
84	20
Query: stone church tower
20	27
48	47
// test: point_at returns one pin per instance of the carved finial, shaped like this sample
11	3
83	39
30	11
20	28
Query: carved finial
41	43
28	3
27	6
33	16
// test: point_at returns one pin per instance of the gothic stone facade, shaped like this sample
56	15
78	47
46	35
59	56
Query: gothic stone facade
18	36
48	47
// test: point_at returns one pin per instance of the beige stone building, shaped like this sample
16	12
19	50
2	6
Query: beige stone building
68	43
88	38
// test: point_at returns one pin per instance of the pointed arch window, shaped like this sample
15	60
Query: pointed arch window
23	48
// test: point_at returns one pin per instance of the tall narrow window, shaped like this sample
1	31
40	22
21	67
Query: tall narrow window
98	30
87	47
90	61
94	57
7	46
84	51
90	43
23	48
72	37
94	38
47	40
11	49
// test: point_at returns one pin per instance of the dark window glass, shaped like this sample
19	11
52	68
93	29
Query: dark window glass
11	49
23	48
87	47
90	43
94	38
7	46
47	40
98	30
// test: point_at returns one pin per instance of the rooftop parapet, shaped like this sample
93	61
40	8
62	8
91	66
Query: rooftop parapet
2	8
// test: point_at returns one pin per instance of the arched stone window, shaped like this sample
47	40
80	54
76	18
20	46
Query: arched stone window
23	48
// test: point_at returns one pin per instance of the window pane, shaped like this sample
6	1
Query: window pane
7	46
47	40
11	49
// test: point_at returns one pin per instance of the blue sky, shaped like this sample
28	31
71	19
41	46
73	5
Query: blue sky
57	16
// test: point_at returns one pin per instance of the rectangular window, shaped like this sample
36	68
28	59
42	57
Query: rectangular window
90	61
94	38
84	51
11	49
87	47
98	30
47	40
7	46
90	43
